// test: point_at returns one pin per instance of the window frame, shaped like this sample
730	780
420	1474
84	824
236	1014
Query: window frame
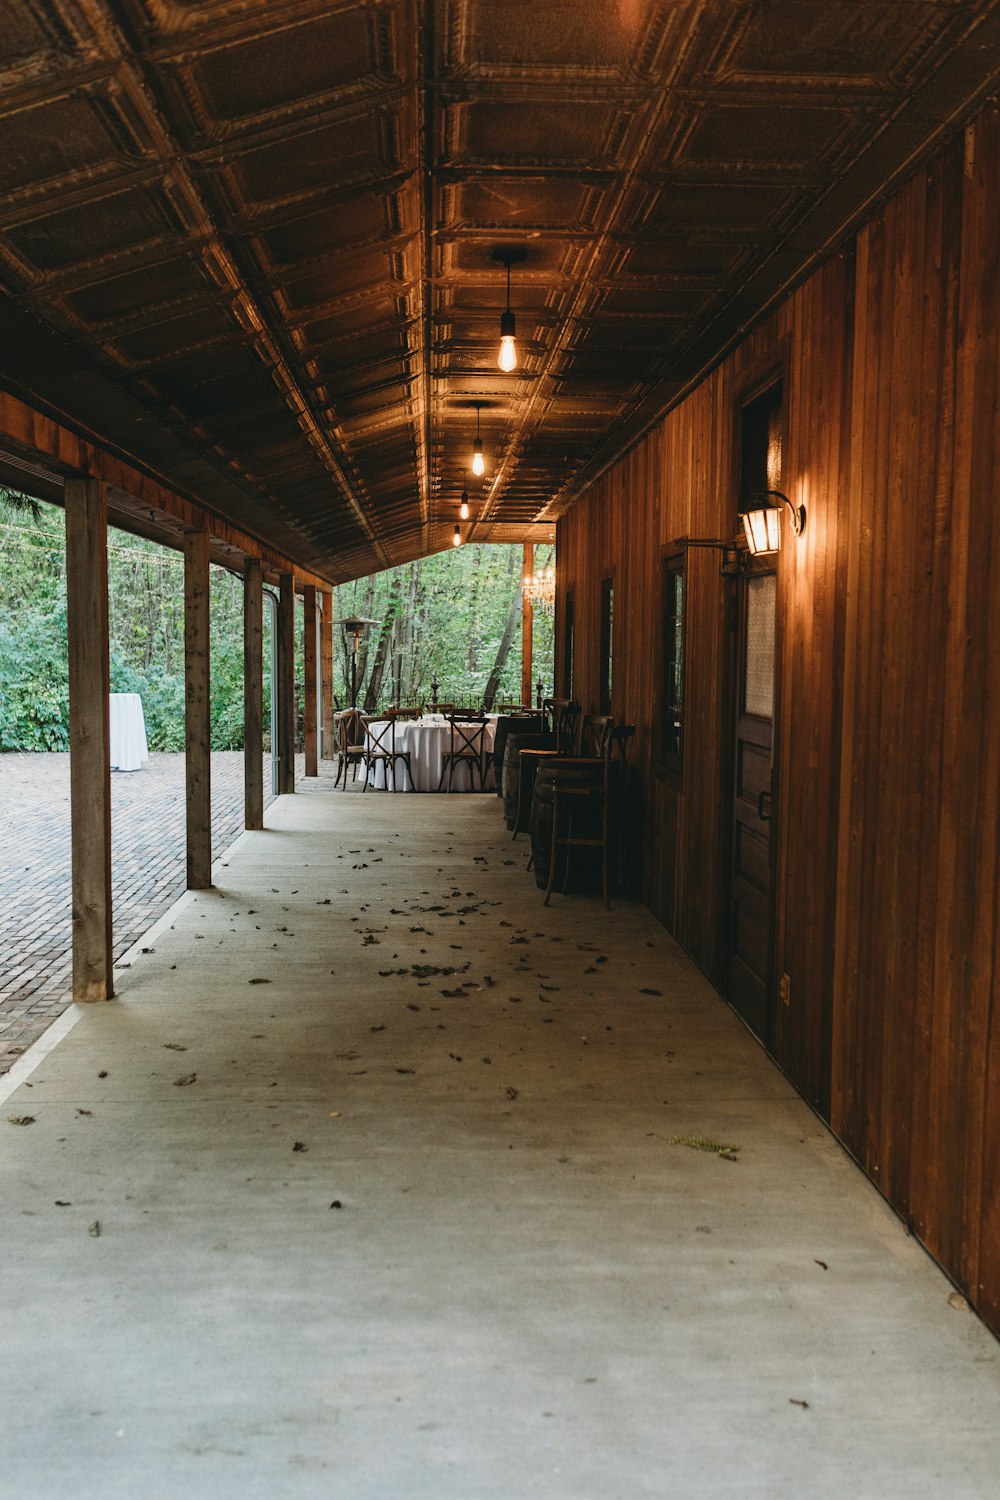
568	641
606	637
673	570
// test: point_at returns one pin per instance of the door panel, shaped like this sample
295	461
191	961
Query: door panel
750	865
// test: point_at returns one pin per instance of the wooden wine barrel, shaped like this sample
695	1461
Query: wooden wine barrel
509	724
511	769
585	869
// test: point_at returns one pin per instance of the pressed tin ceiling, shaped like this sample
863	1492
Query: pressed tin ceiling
248	243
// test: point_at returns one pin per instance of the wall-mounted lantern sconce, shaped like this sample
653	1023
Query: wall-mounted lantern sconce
762	525
508	255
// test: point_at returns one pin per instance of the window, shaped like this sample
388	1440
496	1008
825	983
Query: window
760	446
672	644
568	627
607	641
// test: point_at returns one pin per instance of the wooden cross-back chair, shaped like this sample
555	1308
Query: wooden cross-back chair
466	747
599	799
413	711
380	749
349	742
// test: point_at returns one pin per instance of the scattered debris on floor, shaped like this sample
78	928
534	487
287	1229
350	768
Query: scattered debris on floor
182	1083
21	1119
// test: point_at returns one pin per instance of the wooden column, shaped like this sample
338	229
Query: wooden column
527	620
309	704
286	684
253	694
326	677
197	712
89	737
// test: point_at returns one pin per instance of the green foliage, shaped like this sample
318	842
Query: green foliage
453	618
34	688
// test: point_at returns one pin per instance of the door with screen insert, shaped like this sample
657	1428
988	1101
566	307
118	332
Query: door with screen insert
753	796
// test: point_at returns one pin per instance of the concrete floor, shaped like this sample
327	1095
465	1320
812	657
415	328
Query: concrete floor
528	1290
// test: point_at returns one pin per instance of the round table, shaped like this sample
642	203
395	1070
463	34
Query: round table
427	741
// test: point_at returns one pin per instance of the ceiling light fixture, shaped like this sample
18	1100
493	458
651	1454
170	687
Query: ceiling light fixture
507	359
456	540
478	462
463	509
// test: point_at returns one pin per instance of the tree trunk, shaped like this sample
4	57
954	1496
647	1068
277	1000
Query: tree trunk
506	641
382	649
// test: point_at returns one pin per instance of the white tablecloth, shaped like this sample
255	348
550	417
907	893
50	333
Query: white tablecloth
428	740
128	732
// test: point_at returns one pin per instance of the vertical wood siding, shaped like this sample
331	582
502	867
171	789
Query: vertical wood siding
887	727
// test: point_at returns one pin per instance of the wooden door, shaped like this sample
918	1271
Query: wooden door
750	865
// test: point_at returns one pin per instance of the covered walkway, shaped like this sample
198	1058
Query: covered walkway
379	1182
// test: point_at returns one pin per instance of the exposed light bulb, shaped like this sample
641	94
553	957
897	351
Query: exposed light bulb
456	540
463	509
507	359
478	462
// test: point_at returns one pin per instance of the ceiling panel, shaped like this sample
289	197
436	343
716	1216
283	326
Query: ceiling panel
250	243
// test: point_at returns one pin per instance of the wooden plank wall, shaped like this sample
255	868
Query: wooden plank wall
888	711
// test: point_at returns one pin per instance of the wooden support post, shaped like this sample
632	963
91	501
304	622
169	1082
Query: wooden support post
527	620
197	711
309	696
89	736
253	694
329	749
286	684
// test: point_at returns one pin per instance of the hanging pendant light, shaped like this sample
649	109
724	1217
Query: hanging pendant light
507	358
456	540
463	509
478	462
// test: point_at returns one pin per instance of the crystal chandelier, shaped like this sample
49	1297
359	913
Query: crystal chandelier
540	588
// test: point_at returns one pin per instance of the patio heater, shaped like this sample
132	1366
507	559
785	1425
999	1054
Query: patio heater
355	626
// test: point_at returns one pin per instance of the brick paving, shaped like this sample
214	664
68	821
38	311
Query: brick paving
147	849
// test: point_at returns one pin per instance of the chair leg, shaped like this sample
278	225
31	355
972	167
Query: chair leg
409	771
367	765
553	848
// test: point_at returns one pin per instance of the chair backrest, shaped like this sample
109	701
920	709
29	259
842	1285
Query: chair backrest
523	710
567	719
347	730
596	735
413	712
467	733
443	708
380	734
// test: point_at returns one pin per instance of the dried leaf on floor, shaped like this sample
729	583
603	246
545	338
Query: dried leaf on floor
258	981
704	1143
182	1083
21	1119
94	1229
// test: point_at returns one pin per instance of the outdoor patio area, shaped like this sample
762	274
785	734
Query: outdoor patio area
148	869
